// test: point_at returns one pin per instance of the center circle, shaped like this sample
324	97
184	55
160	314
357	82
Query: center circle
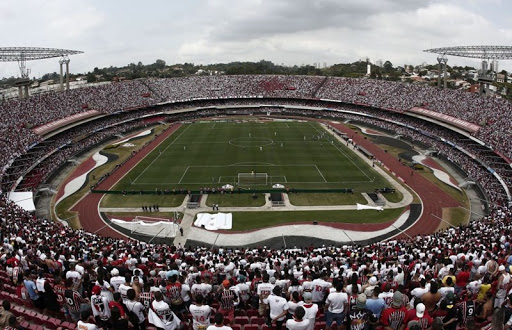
251	142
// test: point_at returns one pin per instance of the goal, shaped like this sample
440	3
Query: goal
252	179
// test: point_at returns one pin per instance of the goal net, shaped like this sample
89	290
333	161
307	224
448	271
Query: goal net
252	179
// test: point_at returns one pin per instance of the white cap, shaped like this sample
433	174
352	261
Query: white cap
420	310
114	272
501	268
373	280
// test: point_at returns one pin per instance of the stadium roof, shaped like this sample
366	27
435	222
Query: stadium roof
481	52
12	54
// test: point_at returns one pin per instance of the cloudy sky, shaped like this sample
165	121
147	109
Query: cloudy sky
112	32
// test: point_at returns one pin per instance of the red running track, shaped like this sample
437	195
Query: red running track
433	198
87	207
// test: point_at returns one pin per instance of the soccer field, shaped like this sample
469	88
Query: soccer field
252	154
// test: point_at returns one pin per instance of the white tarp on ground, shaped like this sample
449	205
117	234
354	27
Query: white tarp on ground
214	221
367	207
23	199
150	228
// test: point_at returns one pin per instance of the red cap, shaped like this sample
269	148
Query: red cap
96	289
226	283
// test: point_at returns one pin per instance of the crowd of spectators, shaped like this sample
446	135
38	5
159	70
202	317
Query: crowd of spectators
20	116
456	278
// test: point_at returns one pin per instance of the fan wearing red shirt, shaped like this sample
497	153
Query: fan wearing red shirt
420	316
393	317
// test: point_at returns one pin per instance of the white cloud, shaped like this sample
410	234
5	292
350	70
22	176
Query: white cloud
284	31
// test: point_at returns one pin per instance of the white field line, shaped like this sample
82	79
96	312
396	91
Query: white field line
186	170
154	160
341	150
320	173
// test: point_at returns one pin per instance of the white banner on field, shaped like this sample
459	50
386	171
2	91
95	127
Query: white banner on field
367	207
214	221
150	228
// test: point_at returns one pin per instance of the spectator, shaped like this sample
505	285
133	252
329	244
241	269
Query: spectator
278	308
135	311
219	323
298	322
335	305
393	317
161	315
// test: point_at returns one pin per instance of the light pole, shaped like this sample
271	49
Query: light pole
440	61
445	60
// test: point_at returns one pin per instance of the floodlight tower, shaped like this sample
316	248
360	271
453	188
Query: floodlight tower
484	53
440	61
64	60
445	60
23	54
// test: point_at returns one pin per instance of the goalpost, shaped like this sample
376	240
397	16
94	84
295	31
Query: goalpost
252	179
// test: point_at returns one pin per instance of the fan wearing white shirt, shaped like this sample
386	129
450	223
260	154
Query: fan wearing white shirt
298	322
219	323
335	307
311	309
200	314
161	315
278	308
116	280
83	324
293	303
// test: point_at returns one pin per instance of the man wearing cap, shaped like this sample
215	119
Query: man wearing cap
335	305
228	300
116	280
310	308
360	317
503	283
99	306
278	307
452	316
368	288
419	316
393	317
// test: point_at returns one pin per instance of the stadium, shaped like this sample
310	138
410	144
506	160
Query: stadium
289	157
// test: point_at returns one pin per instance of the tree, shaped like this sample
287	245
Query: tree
160	64
388	67
91	77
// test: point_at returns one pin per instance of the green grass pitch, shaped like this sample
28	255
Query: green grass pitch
296	154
